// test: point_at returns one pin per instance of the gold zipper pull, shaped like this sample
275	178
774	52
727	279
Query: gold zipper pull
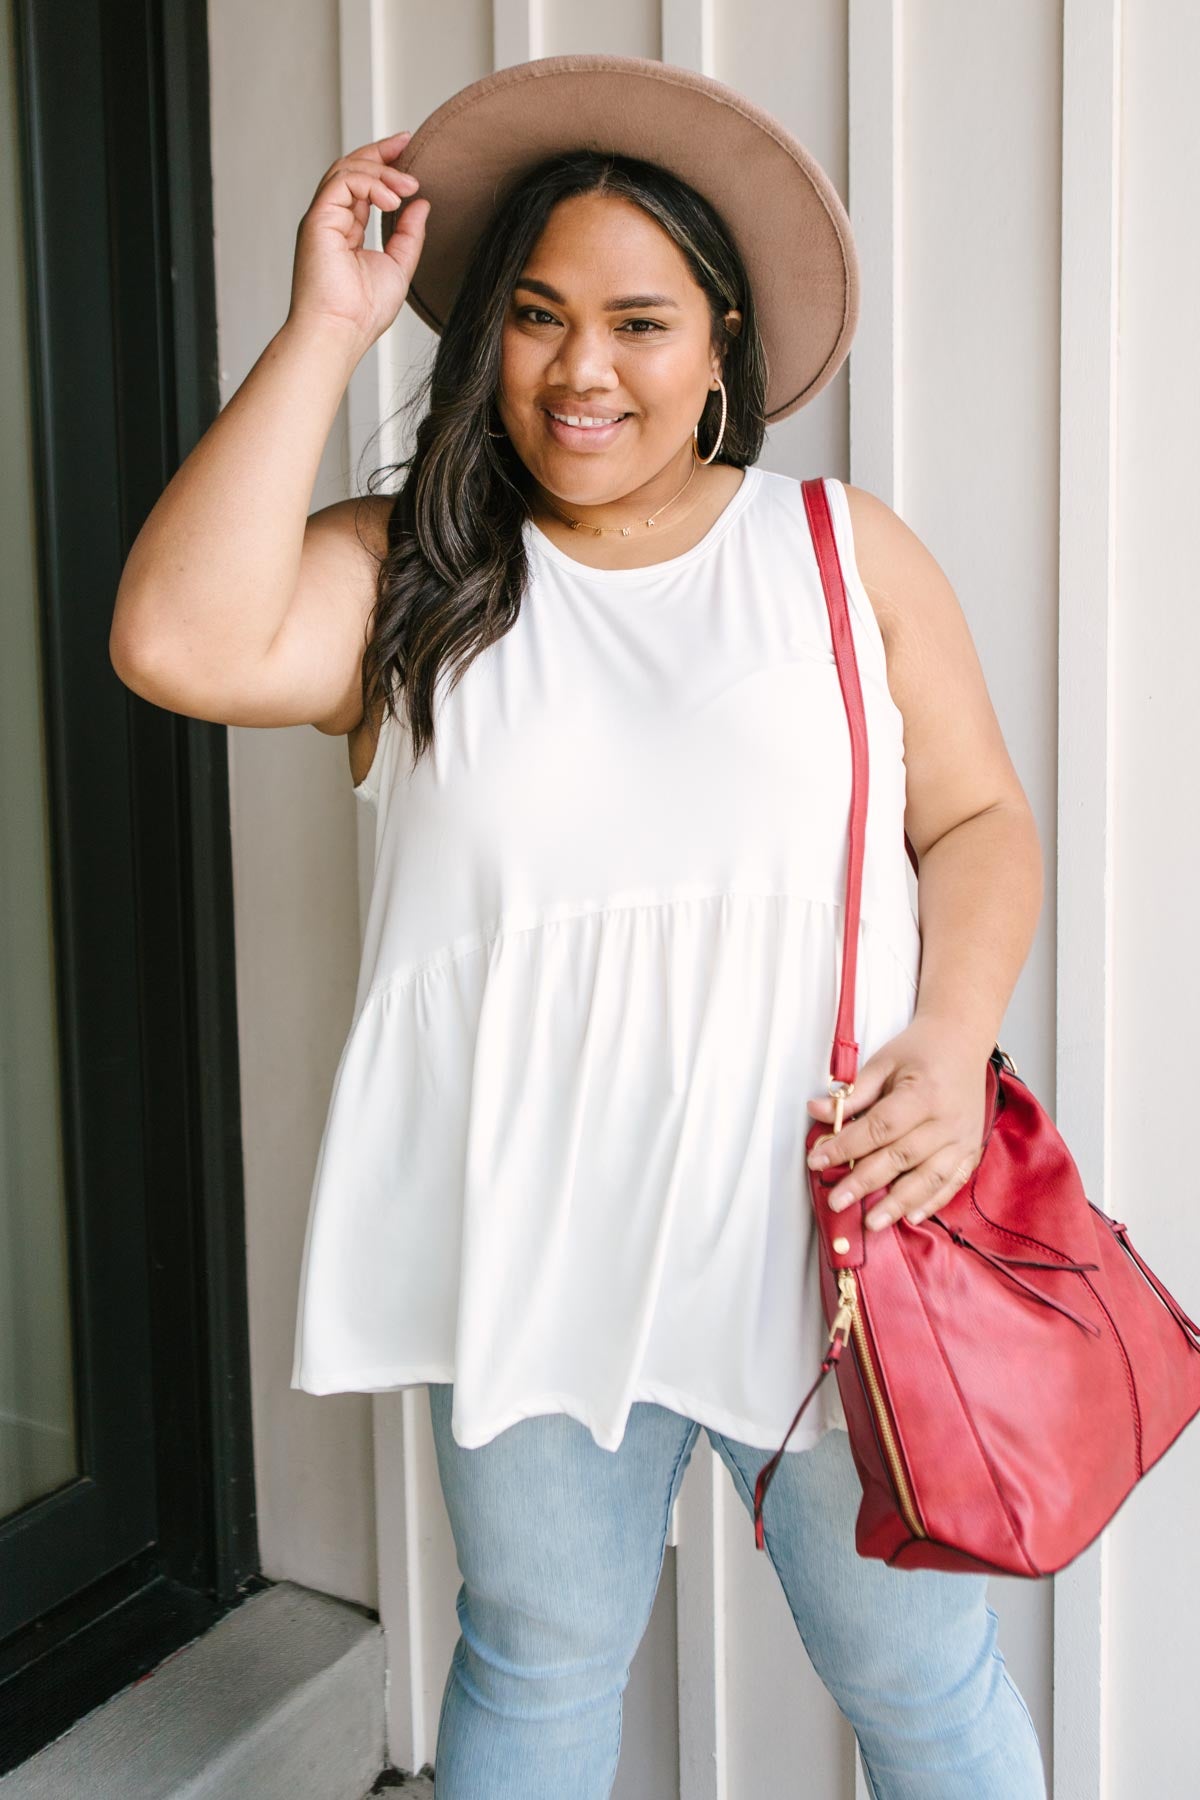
843	1319
840	1092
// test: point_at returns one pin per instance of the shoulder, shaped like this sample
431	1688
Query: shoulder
957	763
898	572
352	533
907	587
344	545
365	517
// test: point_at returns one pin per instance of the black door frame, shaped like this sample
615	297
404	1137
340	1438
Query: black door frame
156	1537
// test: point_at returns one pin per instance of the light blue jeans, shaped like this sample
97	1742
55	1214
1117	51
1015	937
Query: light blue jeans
560	1546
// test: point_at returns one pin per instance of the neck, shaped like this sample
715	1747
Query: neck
680	481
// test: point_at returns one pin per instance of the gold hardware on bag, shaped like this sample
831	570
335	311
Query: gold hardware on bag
840	1092
848	1294
843	1318
847	1322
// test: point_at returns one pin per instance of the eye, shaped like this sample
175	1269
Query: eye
527	312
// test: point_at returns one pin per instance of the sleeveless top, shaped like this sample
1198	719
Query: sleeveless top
563	1160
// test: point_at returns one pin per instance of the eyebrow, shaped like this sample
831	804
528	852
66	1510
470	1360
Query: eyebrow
621	303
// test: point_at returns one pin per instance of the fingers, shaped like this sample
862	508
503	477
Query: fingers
403	235
382	171
920	1173
925	1190
900	1110
884	1166
364	177
373	156
346	200
375	181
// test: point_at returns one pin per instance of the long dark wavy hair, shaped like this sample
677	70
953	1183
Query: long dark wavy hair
451	579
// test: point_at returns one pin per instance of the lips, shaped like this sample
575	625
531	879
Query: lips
583	437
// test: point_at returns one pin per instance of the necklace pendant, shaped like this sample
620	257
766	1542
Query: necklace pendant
649	521
624	531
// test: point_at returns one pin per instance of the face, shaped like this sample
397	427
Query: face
606	321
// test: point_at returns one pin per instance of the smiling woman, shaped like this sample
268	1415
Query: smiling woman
587	379
603	289
602	408
561	1167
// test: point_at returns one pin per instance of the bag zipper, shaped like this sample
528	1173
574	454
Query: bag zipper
848	1312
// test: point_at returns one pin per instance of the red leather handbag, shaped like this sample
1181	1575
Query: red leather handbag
1016	1366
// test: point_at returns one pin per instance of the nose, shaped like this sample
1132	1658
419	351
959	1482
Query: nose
582	363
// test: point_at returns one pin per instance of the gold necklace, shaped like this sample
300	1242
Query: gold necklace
578	524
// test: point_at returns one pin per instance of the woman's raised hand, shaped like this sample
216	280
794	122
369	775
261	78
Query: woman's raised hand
334	279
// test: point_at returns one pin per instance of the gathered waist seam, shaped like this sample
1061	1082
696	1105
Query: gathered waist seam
506	928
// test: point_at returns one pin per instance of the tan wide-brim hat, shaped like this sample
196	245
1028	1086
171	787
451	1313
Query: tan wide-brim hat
781	208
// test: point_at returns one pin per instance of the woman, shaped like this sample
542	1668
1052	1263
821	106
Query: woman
583	665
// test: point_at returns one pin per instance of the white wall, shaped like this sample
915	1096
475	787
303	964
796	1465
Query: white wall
1151	1640
967	403
275	130
978	146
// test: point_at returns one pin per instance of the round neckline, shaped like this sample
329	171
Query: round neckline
545	546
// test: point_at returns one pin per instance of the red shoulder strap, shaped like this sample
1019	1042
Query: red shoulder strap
843	1064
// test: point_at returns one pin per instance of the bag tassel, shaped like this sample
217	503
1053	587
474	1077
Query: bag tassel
998	1261
1168	1300
766	1473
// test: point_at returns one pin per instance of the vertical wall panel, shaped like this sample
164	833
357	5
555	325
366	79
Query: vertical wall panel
275	129
618	28
793	61
979	378
1152	1718
1086	754
875	187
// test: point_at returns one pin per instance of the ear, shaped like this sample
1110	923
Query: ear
733	325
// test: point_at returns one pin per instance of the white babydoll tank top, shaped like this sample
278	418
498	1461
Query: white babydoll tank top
563	1160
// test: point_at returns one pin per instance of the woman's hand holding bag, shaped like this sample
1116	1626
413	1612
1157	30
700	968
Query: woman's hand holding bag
920	1116
1015	1365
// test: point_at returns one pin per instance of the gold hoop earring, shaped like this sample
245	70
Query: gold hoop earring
720	434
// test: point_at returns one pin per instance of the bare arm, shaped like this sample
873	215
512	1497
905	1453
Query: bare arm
981	882
234	605
211	577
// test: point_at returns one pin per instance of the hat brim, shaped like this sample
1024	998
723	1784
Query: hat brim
784	214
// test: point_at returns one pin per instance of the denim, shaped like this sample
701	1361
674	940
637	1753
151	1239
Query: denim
560	1547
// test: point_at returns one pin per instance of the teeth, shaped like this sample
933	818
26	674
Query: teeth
573	419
